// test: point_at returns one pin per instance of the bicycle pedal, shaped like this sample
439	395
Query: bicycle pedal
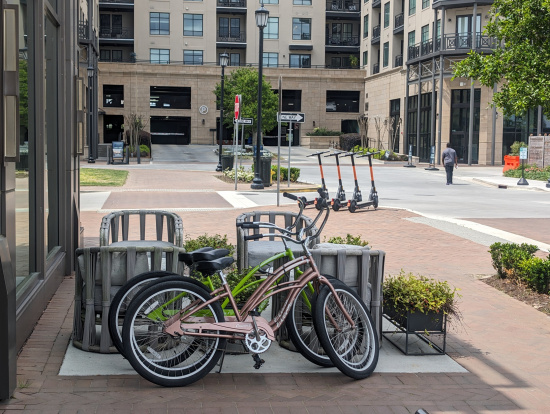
258	361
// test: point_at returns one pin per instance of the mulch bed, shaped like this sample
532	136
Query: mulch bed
520	291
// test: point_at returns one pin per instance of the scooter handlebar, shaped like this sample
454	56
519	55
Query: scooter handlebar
317	153
334	154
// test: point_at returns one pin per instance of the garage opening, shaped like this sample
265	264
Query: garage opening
173	130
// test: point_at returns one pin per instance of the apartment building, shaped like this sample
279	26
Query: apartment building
390	61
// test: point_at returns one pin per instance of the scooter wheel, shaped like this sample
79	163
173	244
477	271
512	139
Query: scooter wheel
336	205
375	202
352	206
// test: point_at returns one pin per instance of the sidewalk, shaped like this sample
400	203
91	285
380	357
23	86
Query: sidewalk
503	343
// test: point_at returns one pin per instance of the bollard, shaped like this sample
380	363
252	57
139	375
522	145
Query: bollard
432	160
409	163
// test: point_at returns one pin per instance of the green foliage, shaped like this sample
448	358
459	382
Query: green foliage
536	272
294	173
348	141
409	293
23	93
323	132
382	155
520	64
102	177
244	81
243	175
216	241
532	172
506	257
233	278
514	148
349	239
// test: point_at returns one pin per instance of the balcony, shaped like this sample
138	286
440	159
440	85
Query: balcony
343	9
452	42
231	6
376	4
116	33
338	40
116	5
375	35
398	23
231	39
398	61
376	68
83	36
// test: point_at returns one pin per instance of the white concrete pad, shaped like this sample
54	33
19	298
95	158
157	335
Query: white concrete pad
93	201
237	200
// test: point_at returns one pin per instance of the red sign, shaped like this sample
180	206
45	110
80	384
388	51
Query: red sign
237	106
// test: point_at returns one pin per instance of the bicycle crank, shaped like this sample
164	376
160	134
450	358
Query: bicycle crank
257	342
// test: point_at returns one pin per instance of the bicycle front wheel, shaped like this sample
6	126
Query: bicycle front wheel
147	347
352	349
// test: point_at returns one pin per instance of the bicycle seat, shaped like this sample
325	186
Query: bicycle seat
202	254
212	266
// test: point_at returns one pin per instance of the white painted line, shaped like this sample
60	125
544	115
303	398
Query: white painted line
237	200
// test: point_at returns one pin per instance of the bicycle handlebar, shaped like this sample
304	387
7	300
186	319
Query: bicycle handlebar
291	196
254	237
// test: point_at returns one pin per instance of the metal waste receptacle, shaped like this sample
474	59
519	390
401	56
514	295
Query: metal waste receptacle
265	170
227	161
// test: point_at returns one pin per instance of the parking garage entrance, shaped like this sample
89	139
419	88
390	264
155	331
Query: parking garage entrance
174	130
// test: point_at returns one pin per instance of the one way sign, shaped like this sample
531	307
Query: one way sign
298	117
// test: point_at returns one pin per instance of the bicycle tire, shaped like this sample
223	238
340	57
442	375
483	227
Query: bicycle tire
354	351
143	349
126	293
299	324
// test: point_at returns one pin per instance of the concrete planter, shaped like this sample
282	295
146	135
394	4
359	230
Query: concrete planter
318	142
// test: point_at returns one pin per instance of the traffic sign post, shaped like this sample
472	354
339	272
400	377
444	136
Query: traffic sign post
245	121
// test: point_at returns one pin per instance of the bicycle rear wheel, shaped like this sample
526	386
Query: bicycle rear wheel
147	347
299	323
353	350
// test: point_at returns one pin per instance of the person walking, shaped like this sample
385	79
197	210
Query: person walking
450	160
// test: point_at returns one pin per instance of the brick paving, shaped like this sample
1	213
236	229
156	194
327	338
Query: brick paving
503	343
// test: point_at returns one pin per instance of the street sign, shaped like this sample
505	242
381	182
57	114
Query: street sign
237	106
298	117
245	121
523	153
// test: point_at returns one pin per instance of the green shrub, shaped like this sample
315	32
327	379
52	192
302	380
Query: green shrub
323	132
532	172
233	278
536	272
348	141
294	173
349	239
506	257
409	293
514	148
243	175
382	155
217	242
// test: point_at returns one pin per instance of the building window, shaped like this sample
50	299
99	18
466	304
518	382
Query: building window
365	58
412	7
269	2
292	100
302	2
365	26
425	33
229	28
271	31
425	4
386	55
300	61
113	96
105	55
159	23
412	38
116	55
160	56
170	97
438	29
192	24
342	101
234	59
394	127
192	57
271	60
386	14
301	29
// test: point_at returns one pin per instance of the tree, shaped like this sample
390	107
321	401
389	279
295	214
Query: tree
244	81
363	121
133	125
520	65
23	93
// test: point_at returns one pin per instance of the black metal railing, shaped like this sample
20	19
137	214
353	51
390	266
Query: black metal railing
339	40
116	32
82	30
343	6
231	36
451	41
398	61
375	34
117	1
399	21
231	3
375	68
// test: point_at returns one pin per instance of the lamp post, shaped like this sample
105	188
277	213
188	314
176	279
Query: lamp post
224	61
91	71
261	21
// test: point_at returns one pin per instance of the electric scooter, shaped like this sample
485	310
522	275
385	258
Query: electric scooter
324	191
357	200
340	199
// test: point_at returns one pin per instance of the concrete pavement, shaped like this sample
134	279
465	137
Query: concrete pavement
502	343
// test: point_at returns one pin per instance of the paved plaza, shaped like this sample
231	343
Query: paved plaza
502	344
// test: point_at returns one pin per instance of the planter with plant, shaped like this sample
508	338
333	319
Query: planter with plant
419	306
511	161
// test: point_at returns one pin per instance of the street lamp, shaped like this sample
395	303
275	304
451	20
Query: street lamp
261	21
91	71
224	61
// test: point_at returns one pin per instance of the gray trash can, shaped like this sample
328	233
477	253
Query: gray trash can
265	170
227	161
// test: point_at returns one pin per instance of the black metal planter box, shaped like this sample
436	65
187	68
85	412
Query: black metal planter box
417	333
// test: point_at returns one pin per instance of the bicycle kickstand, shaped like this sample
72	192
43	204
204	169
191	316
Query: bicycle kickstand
258	361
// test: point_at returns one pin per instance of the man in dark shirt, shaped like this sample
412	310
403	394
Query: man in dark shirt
450	160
